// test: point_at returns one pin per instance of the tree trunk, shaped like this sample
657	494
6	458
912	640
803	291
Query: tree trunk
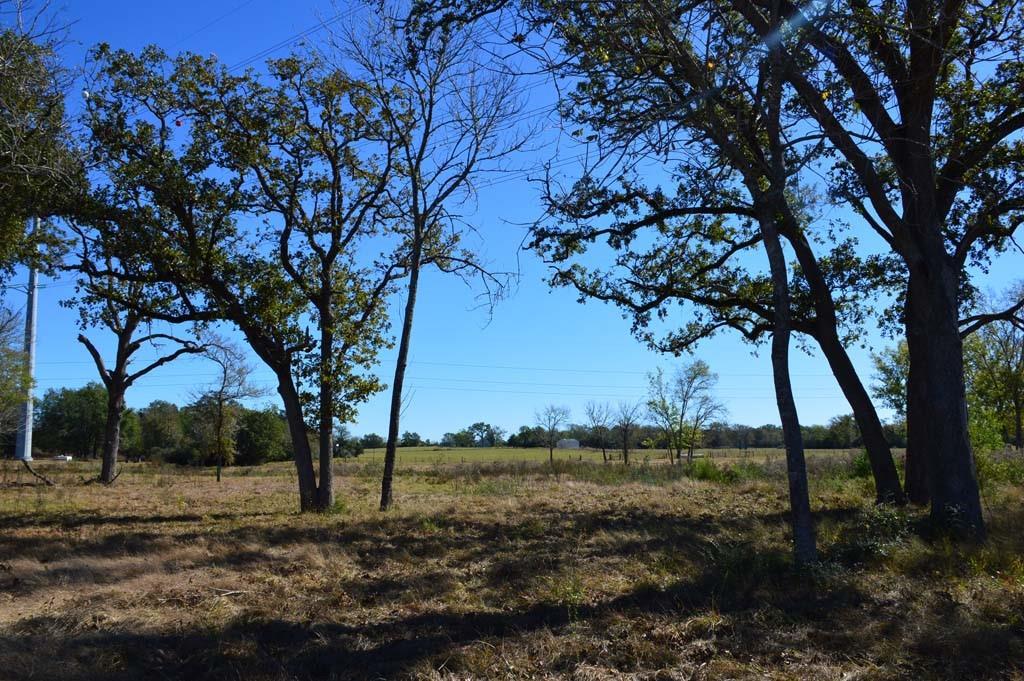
220	438
804	542
395	415
936	360
112	433
883	467
551	455
300	444
915	465
325	490
1018	423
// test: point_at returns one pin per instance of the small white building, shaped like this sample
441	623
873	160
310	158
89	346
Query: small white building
568	443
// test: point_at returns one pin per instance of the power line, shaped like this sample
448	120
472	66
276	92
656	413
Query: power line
205	26
737	398
579	371
316	28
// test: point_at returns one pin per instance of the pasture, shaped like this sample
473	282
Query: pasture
507	570
481	455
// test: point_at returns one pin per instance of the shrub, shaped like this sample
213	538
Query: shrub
860	465
999	467
705	469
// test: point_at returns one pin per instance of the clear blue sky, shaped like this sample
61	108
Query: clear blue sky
540	347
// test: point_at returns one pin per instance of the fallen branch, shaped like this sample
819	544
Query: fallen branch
38	476
112	480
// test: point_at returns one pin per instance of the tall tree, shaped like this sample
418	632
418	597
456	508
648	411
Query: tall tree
655	89
188	152
448	104
115	306
923	104
14	376
39	173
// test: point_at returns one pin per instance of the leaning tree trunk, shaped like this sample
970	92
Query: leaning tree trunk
300	443
112	433
804	542
395	415
936	362
883	467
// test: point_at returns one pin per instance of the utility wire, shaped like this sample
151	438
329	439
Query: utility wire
212	22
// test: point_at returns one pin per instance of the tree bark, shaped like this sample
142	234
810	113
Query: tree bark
300	444
395	414
220	437
804	542
112	433
883	467
936	363
1018	424
915	472
325	490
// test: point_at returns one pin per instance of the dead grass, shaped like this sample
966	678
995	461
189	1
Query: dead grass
499	572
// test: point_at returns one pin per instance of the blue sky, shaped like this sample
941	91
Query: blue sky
539	347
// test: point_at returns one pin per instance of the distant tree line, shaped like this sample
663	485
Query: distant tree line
72	421
839	433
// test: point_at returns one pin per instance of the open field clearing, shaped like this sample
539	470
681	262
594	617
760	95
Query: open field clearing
448	455
506	571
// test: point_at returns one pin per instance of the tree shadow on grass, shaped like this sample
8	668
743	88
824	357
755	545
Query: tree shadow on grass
770	606
403	646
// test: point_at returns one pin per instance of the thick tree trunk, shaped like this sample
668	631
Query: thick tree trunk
112	433
915	466
936	363
883	467
395	415
300	444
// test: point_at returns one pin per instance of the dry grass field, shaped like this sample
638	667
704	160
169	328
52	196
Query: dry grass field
512	570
